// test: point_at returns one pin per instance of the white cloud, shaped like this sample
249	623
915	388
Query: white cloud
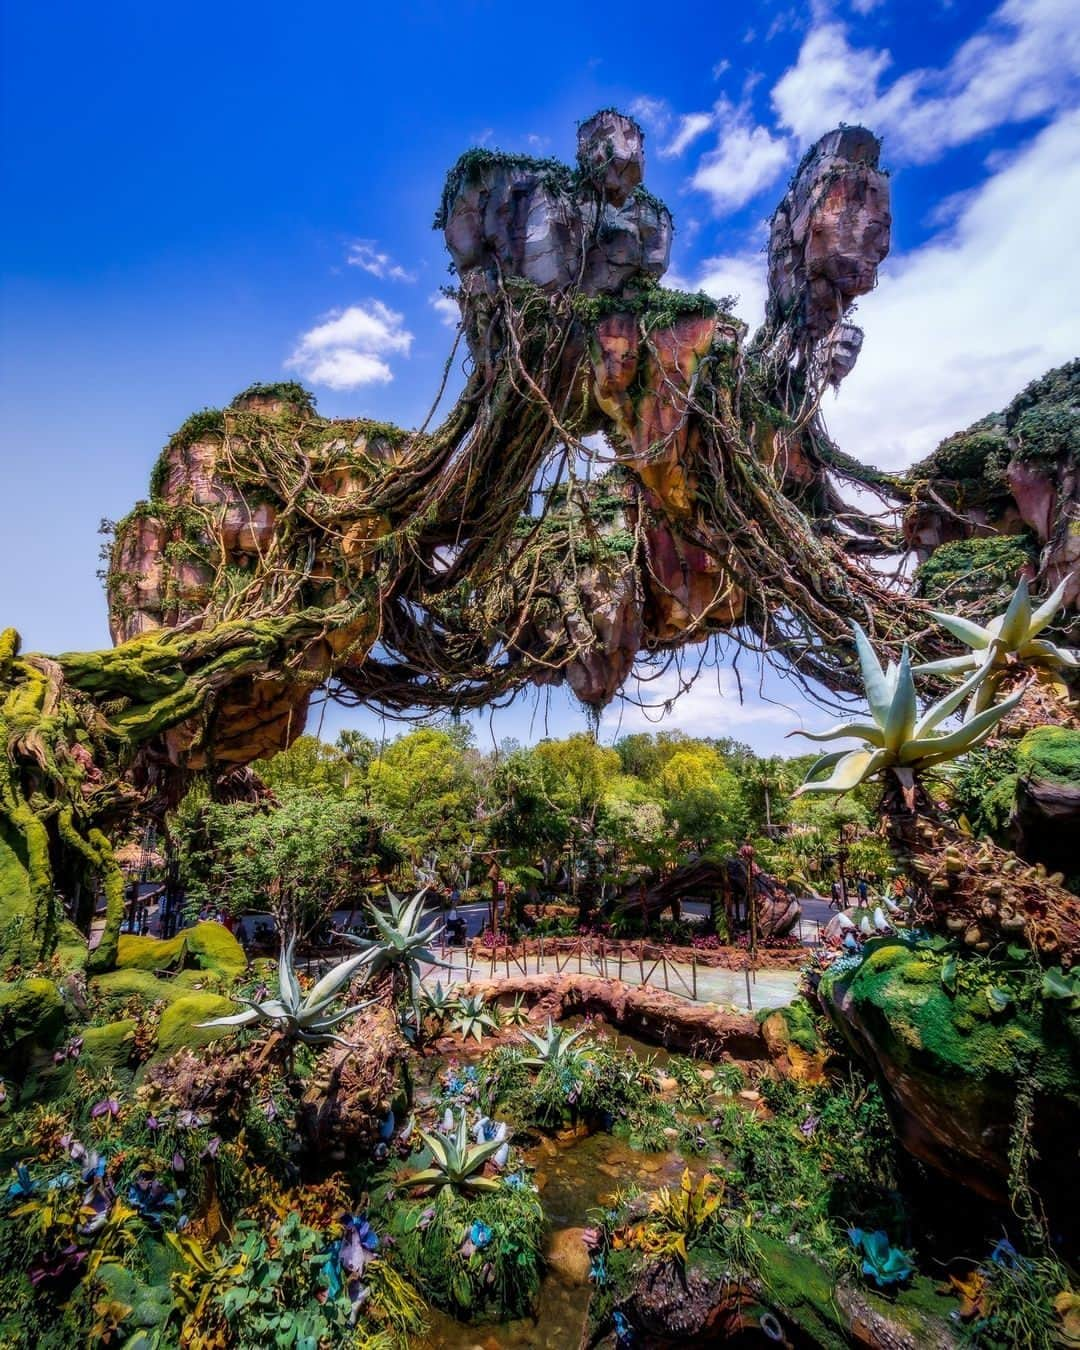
745	160
446	308
348	349
741	275
960	325
1024	63
654	113
364	253
865	7
691	126
710	707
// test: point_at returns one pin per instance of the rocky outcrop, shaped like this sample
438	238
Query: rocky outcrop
1012	473
513	216
1045	823
953	1050
827	237
654	1015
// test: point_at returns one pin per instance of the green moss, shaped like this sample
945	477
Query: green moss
209	945
1050	754
975	569
288	391
150	1304
802	1289
108	1047
178	1026
657	306
31	1012
798	1017
960	1039
125	984
1044	420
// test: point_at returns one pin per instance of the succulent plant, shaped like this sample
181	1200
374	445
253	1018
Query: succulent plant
474	1018
899	741
455	1162
402	944
552	1045
517	1015
300	1016
439	1002
1010	639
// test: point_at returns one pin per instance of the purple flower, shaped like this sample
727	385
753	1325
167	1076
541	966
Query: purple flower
108	1106
211	1150
152	1123
191	1120
809	1126
75	1046
178	1164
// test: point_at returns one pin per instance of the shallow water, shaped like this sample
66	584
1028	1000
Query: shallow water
574	1177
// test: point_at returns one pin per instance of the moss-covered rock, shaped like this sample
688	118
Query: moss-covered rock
955	1041
209	946
108	1047
794	1044
1050	754
179	1022
32	1012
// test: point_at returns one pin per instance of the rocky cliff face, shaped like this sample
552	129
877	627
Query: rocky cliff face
1014	474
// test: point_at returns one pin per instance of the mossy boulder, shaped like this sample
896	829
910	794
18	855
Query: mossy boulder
794	1044
108	1047
208	946
955	1042
32	1013
1046	813
179	1027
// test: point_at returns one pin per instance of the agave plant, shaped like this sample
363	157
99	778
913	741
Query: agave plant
899	741
455	1162
474	1018
303	1017
552	1045
1012	638
517	1015
439	1003
402	944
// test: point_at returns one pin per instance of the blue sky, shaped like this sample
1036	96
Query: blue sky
200	196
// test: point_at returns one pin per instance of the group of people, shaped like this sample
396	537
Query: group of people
842	894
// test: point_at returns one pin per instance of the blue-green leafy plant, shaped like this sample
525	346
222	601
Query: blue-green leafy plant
300	1016
898	741
882	1263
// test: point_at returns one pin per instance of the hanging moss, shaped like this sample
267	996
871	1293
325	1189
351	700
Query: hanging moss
473	164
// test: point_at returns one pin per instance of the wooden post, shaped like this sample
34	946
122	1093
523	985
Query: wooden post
693	971
749	1001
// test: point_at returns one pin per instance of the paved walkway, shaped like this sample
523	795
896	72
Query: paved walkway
742	990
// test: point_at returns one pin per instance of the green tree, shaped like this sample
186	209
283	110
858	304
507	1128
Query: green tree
299	860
